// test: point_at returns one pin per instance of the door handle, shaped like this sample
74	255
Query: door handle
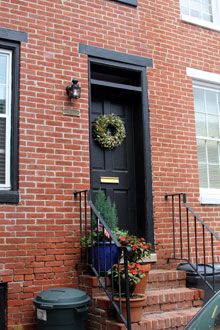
109	179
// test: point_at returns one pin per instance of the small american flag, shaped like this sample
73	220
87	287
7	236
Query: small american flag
100	227
106	233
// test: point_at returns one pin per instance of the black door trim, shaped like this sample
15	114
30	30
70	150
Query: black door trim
114	85
115	56
14	35
139	64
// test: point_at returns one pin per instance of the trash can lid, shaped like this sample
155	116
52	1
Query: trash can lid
201	268
61	298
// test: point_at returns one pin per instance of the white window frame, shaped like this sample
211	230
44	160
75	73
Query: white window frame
7	117
215	25
207	195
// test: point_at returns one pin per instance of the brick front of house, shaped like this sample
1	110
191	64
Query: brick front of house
39	234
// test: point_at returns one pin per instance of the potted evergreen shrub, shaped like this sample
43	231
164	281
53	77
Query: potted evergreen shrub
103	253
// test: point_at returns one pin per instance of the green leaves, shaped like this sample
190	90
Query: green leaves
135	274
102	128
140	248
107	209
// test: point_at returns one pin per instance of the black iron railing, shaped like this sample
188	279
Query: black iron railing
94	253
193	240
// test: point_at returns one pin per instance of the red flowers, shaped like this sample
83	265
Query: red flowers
140	248
135	274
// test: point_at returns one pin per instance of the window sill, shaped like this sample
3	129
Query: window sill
209	199
200	22
7	196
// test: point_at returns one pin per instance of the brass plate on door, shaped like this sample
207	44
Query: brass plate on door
109	179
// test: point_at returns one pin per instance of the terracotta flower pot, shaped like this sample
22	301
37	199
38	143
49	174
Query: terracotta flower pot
137	302
141	286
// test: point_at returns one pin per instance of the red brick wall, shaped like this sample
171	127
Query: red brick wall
39	245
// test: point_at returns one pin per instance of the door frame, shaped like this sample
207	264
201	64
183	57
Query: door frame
138	64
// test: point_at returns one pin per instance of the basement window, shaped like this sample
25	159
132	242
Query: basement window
205	13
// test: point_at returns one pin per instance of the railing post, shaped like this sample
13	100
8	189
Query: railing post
196	246
181	234
204	249
213	263
127	291
188	240
173	219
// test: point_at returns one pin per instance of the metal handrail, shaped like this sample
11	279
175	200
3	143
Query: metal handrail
86	228
192	250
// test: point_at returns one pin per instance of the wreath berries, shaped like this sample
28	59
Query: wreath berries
109	131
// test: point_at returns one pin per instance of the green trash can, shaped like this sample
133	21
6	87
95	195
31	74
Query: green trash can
62	309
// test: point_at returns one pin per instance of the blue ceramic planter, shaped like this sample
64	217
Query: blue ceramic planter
102	256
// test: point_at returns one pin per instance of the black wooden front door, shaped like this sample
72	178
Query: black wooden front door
119	162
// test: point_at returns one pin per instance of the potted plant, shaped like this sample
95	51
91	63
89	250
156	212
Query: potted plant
140	249
103	253
137	301
137	275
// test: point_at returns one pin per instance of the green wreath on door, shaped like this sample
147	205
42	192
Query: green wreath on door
109	131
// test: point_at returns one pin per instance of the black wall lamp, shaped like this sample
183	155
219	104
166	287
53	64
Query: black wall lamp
74	91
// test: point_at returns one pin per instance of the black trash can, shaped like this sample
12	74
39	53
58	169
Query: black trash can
194	281
62	309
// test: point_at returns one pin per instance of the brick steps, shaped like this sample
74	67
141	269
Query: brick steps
172	299
169	304
168	320
158	279
161	321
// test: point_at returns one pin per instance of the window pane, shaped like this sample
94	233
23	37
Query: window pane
184	10
3	68
3	80
2	150
200	125
184	3
203	178
213	126
211	102
207	17
206	6
197	8
2	99
214	176
201	151
184	7
212	147
199	99
195	13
